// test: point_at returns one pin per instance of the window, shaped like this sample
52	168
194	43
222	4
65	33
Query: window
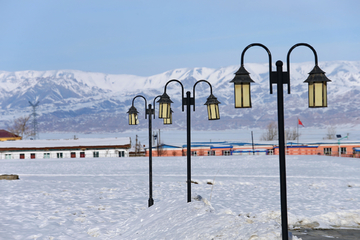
82	154
7	156
73	154
211	153
226	152
32	155
22	156
343	150
121	154
193	153
46	155
327	151
59	155
95	154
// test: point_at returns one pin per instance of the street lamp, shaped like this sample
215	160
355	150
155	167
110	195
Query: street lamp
165	112
242	82
212	107
317	88
133	120
317	82
165	106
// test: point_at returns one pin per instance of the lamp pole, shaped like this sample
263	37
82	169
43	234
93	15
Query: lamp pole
165	111
282	161
189	101
317	98
133	120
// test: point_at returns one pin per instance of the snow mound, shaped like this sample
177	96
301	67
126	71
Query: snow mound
174	219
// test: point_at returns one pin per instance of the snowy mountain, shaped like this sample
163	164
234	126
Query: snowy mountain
77	101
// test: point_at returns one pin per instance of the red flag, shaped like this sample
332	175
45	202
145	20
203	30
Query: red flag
300	123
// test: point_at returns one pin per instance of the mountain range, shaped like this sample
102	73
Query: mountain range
77	101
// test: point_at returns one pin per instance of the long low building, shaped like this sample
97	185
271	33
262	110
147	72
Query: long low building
65	148
212	149
329	148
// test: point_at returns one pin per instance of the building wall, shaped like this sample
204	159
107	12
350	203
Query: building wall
112	153
10	138
205	151
177	152
329	149
167	152
301	150
323	149
269	150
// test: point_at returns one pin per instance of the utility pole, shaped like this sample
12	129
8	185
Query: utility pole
159	137
252	140
297	131
136	146
35	133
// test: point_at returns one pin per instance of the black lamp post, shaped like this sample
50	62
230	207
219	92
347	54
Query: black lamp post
317	82
133	120
165	112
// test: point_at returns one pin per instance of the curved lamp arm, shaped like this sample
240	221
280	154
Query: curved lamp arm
194	90
288	58
182	90
145	103
269	53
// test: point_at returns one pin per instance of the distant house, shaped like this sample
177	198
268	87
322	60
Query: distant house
71	148
8	136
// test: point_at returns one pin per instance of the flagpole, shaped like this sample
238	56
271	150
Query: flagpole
297	130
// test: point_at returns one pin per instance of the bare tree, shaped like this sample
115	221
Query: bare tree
160	150
21	127
292	134
183	152
270	133
137	146
331	133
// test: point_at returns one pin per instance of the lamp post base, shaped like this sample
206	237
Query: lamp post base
150	202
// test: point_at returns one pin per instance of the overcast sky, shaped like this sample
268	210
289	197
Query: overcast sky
150	37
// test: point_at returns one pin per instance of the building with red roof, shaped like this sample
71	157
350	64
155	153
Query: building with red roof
8	136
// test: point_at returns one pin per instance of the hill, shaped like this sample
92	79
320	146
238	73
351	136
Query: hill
77	101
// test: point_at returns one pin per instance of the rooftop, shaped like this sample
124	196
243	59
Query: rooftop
6	134
66	143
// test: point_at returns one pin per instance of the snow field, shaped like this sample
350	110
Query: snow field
234	197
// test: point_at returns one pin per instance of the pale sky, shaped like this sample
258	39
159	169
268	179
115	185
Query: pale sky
150	37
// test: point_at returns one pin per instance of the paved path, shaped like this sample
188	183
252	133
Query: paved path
326	234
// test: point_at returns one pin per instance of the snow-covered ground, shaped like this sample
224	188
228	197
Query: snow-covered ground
107	198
